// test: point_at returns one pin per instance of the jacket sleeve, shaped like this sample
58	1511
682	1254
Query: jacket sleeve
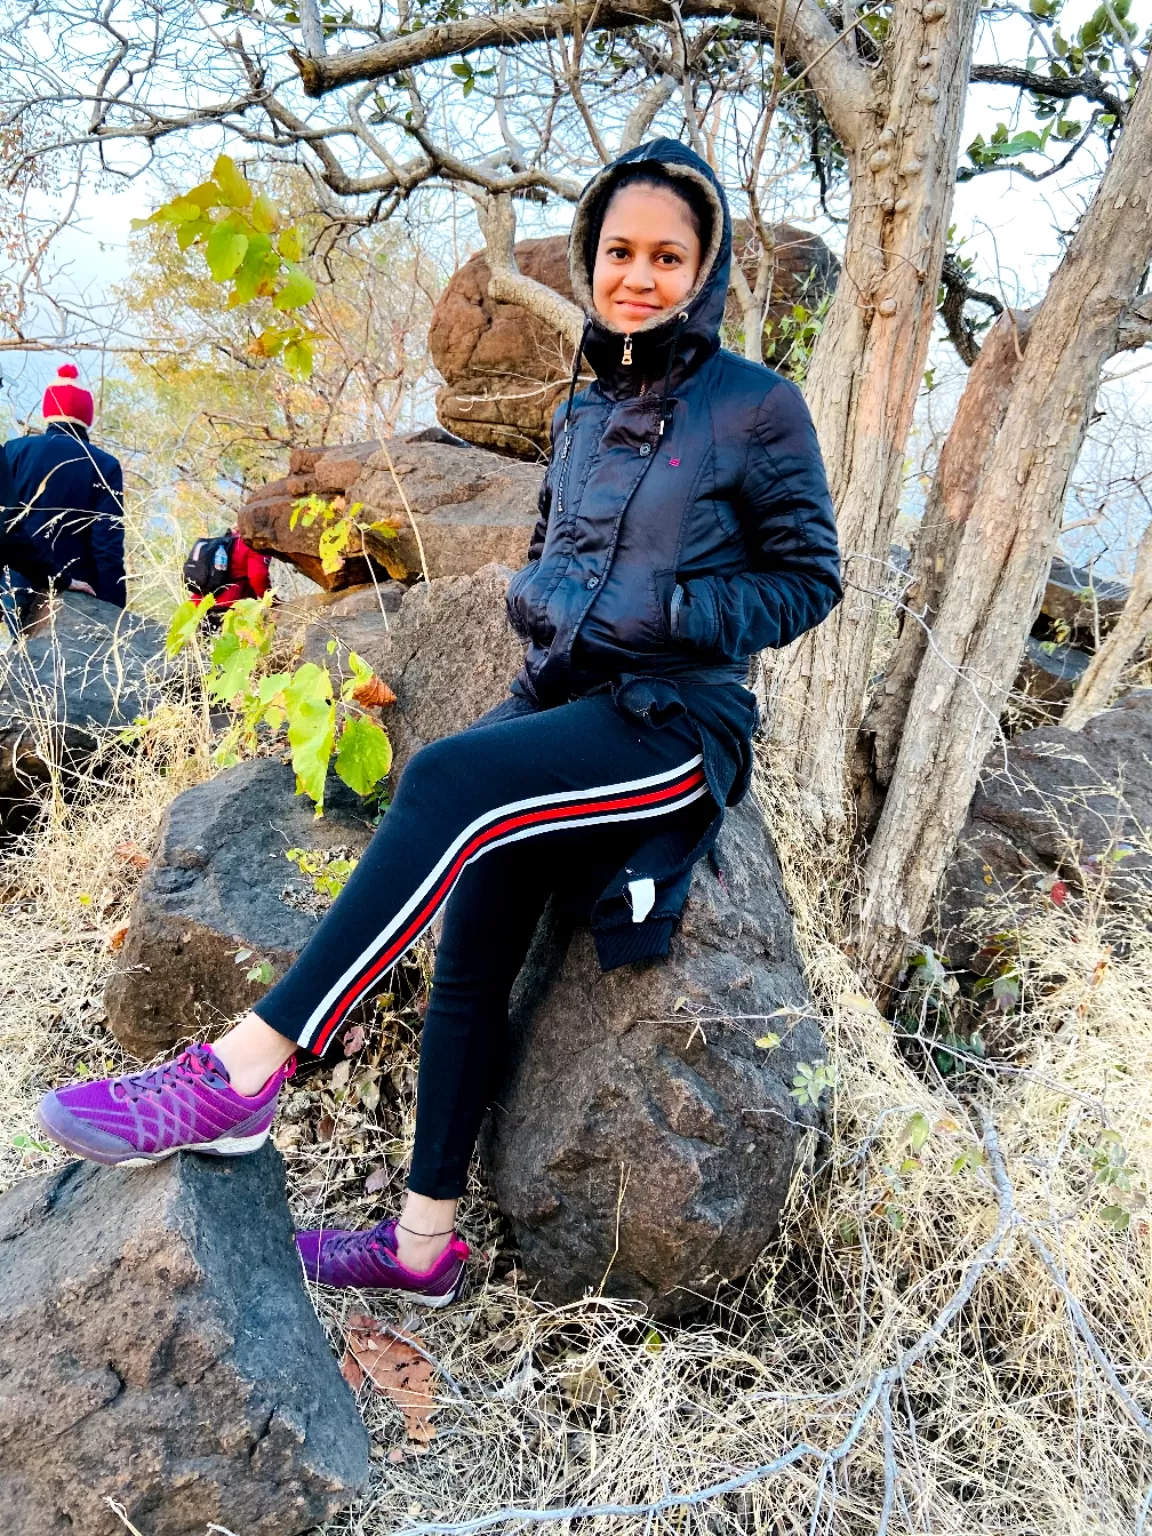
107	532
789	529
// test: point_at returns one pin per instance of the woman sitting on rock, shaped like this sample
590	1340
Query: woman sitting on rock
685	525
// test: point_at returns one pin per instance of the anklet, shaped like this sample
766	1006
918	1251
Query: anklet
414	1233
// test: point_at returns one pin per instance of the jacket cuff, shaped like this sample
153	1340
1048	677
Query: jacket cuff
698	620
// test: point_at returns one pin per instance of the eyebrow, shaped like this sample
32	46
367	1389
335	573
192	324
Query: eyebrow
624	240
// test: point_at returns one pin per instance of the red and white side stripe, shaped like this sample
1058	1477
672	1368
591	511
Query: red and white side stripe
631	801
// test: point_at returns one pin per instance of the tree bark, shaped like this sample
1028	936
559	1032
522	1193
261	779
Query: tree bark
963	459
866	373
508	285
1095	688
1005	551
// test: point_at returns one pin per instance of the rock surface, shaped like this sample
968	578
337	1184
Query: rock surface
643	1142
448	655
505	371
83	669
158	1347
1077	600
1047	677
470	508
219	884
1055	805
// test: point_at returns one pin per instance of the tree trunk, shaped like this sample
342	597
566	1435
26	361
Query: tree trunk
963	459
866	373
1005	551
1094	690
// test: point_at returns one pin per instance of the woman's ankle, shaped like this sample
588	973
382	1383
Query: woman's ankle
251	1052
424	1229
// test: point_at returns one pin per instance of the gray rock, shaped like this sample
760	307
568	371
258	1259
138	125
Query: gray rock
83	670
158	1347
1047	679
219	884
643	1142
1077	599
1056	804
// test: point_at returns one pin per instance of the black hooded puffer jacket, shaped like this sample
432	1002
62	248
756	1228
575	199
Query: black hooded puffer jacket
678	535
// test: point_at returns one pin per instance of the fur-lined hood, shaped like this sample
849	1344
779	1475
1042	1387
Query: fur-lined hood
697	336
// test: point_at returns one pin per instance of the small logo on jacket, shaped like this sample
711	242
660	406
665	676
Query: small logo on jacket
675	463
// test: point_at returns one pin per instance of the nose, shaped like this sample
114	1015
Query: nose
639	277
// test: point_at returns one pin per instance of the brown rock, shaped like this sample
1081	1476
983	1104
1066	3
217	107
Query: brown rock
643	1143
219	885
1075	601
505	371
471	508
302	461
1055	804
158	1348
337	469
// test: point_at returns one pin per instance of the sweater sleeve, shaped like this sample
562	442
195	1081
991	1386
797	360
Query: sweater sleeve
107	532
789	529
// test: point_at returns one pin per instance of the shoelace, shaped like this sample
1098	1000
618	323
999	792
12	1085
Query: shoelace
338	1247
194	1060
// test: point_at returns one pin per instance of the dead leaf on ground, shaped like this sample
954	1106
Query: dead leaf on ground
117	936
374	694
377	1181
394	1367
132	853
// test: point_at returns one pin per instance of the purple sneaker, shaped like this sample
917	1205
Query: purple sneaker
186	1105
366	1261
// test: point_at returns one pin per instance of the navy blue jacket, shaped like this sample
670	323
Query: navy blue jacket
64	518
685	521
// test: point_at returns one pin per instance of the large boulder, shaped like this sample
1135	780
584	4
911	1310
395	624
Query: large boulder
441	506
450	509
83	670
505	371
158	1348
644	1143
1054	809
265	519
1076	601
219	901
448	654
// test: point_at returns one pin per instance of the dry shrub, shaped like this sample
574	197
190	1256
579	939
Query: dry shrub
948	1335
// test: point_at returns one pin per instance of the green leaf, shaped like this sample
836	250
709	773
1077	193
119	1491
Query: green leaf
298	359
768	1042
311	728
259	267
917	1131
364	756
296	292
233	184
225	251
1116	1217
205	196
188	234
185	622
233	673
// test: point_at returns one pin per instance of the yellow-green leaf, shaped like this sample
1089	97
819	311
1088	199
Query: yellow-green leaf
291	244
298	359
185	622
364	756
233	184
296	292
225	251
264	214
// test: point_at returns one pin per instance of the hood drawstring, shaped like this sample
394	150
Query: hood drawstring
575	380
681	320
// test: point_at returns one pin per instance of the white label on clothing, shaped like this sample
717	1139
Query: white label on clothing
642	894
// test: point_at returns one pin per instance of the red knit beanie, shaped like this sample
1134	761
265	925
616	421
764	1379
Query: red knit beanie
66	400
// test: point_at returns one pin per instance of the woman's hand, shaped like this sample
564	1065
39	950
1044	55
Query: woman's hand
81	586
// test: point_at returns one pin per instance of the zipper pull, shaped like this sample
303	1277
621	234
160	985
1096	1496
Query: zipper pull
626	360
567	444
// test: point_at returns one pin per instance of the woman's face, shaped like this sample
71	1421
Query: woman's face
647	258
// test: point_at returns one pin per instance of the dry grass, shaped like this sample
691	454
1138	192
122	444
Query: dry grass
1001	1419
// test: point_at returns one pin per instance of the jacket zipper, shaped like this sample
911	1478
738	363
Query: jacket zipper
563	475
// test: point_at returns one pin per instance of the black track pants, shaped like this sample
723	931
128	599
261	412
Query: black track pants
496	818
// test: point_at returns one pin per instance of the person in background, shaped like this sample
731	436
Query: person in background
229	569
63	506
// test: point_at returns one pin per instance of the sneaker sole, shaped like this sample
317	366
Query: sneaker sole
418	1298
227	1146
